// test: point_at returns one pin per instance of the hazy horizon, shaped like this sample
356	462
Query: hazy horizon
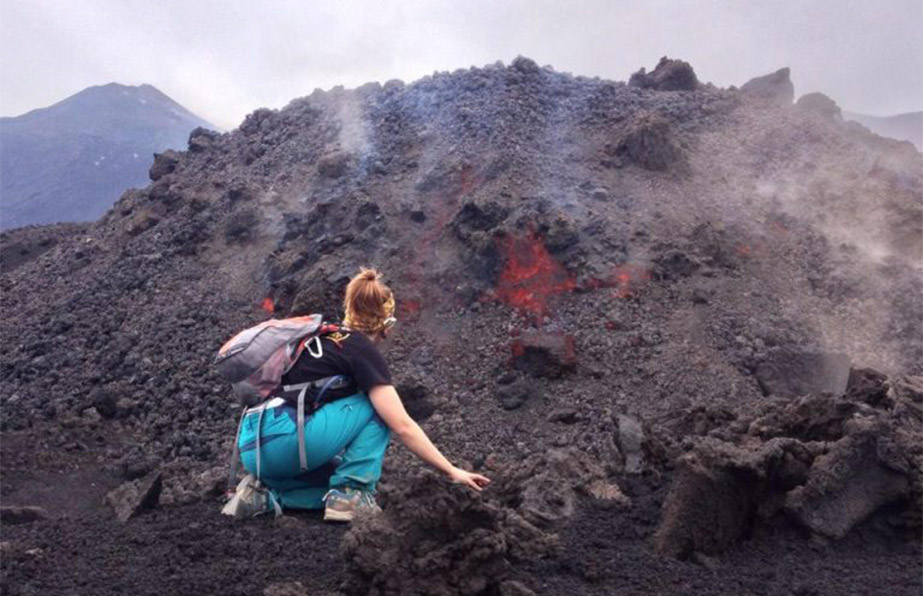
222	60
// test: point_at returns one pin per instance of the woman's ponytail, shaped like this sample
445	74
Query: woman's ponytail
368	302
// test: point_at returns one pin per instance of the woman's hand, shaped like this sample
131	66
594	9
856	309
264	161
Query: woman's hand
388	405
475	481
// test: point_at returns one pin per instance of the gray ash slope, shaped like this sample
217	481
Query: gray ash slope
573	259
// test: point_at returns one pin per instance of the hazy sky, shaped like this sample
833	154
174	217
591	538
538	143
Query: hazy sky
223	59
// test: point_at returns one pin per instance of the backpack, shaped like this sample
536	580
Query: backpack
256	359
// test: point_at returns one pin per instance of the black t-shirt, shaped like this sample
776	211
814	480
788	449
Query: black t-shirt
354	356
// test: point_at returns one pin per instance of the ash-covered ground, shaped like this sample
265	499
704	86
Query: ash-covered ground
678	326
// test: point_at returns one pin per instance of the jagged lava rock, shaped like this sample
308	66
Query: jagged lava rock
136	497
776	87
542	354
650	143
819	104
793	373
668	75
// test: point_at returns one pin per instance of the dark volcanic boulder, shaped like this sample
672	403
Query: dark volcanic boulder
792	373
513	392
819	104
12	514
828	463
543	354
164	163
136	497
669	75
466	543
649	142
201	139
775	87
859	475
334	165
707	511
457	534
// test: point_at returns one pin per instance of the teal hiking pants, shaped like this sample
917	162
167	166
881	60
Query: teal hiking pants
348	428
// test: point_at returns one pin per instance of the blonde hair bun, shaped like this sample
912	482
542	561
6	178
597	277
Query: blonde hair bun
368	302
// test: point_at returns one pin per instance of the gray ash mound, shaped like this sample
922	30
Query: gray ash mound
678	325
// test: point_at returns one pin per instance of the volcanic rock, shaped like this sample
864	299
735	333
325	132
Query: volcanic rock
859	475
813	418
525	65
543	354
546	487
792	373
668	75
202	139
707	511
136	497
649	143
776	87
564	415
241	226
19	246
631	441
458	535
512	392
417	400
11	514
908	388
820	104
675	264
104	402
869	386
475	217
164	163
829	474
334	165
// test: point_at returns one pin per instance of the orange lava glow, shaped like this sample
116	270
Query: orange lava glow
628	278
757	248
408	309
268	305
624	279
531	275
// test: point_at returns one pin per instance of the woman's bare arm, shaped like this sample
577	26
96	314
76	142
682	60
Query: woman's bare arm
388	405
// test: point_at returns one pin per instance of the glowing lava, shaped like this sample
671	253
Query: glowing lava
627	278
408	308
531	275
268	305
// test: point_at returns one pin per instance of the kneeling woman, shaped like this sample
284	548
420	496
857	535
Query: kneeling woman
346	438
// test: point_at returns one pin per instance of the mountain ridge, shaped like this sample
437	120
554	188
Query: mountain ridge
907	126
70	161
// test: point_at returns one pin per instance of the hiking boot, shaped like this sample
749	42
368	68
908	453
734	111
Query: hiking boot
250	499
342	504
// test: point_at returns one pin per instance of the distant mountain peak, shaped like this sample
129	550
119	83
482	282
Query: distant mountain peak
70	161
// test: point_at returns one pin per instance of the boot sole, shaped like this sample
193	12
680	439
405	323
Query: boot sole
338	516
